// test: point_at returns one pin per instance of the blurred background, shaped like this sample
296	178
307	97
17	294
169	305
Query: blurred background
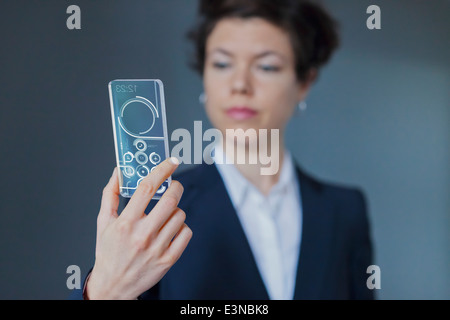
378	118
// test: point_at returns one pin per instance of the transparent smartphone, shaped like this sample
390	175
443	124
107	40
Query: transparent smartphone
140	131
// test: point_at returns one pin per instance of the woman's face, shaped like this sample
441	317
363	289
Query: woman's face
249	76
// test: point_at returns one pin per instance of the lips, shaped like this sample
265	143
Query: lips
241	113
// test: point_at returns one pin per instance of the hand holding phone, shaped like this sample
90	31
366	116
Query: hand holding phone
134	250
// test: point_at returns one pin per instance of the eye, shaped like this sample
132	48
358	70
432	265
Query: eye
220	65
269	68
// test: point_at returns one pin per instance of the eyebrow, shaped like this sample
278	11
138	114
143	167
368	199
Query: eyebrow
258	56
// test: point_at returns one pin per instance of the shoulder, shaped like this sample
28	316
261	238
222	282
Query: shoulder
348	201
339	192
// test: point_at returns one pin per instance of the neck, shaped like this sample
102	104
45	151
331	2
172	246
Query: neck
261	166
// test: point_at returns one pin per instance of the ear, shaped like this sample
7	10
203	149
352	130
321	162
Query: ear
305	85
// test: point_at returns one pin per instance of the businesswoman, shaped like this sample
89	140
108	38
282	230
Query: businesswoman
226	231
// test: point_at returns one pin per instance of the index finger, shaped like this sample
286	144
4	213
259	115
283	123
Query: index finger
148	187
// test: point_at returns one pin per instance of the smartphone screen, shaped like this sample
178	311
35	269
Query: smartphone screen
140	131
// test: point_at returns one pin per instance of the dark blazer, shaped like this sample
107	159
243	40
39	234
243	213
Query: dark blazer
335	248
218	263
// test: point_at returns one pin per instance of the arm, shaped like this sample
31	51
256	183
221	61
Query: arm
361	254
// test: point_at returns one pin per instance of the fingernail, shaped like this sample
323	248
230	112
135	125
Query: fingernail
174	160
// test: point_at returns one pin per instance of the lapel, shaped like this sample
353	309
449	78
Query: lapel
317	231
317	236
215	210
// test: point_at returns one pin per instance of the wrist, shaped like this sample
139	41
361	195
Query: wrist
97	288
84	292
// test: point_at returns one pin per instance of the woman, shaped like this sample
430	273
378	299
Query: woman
279	236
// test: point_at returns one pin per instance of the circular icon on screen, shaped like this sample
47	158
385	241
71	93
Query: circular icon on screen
141	157
142	171
137	116
128	171
128	157
155	158
140	144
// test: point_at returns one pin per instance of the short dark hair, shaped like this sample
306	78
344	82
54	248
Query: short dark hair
312	30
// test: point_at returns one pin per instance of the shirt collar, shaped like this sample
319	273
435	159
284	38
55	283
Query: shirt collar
237	185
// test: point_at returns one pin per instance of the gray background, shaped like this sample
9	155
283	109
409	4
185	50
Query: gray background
378	118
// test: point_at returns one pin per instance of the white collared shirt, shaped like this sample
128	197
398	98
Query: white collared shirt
272	223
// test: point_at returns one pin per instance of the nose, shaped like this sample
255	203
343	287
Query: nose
241	81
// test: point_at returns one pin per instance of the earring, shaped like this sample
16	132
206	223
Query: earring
202	98
302	106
